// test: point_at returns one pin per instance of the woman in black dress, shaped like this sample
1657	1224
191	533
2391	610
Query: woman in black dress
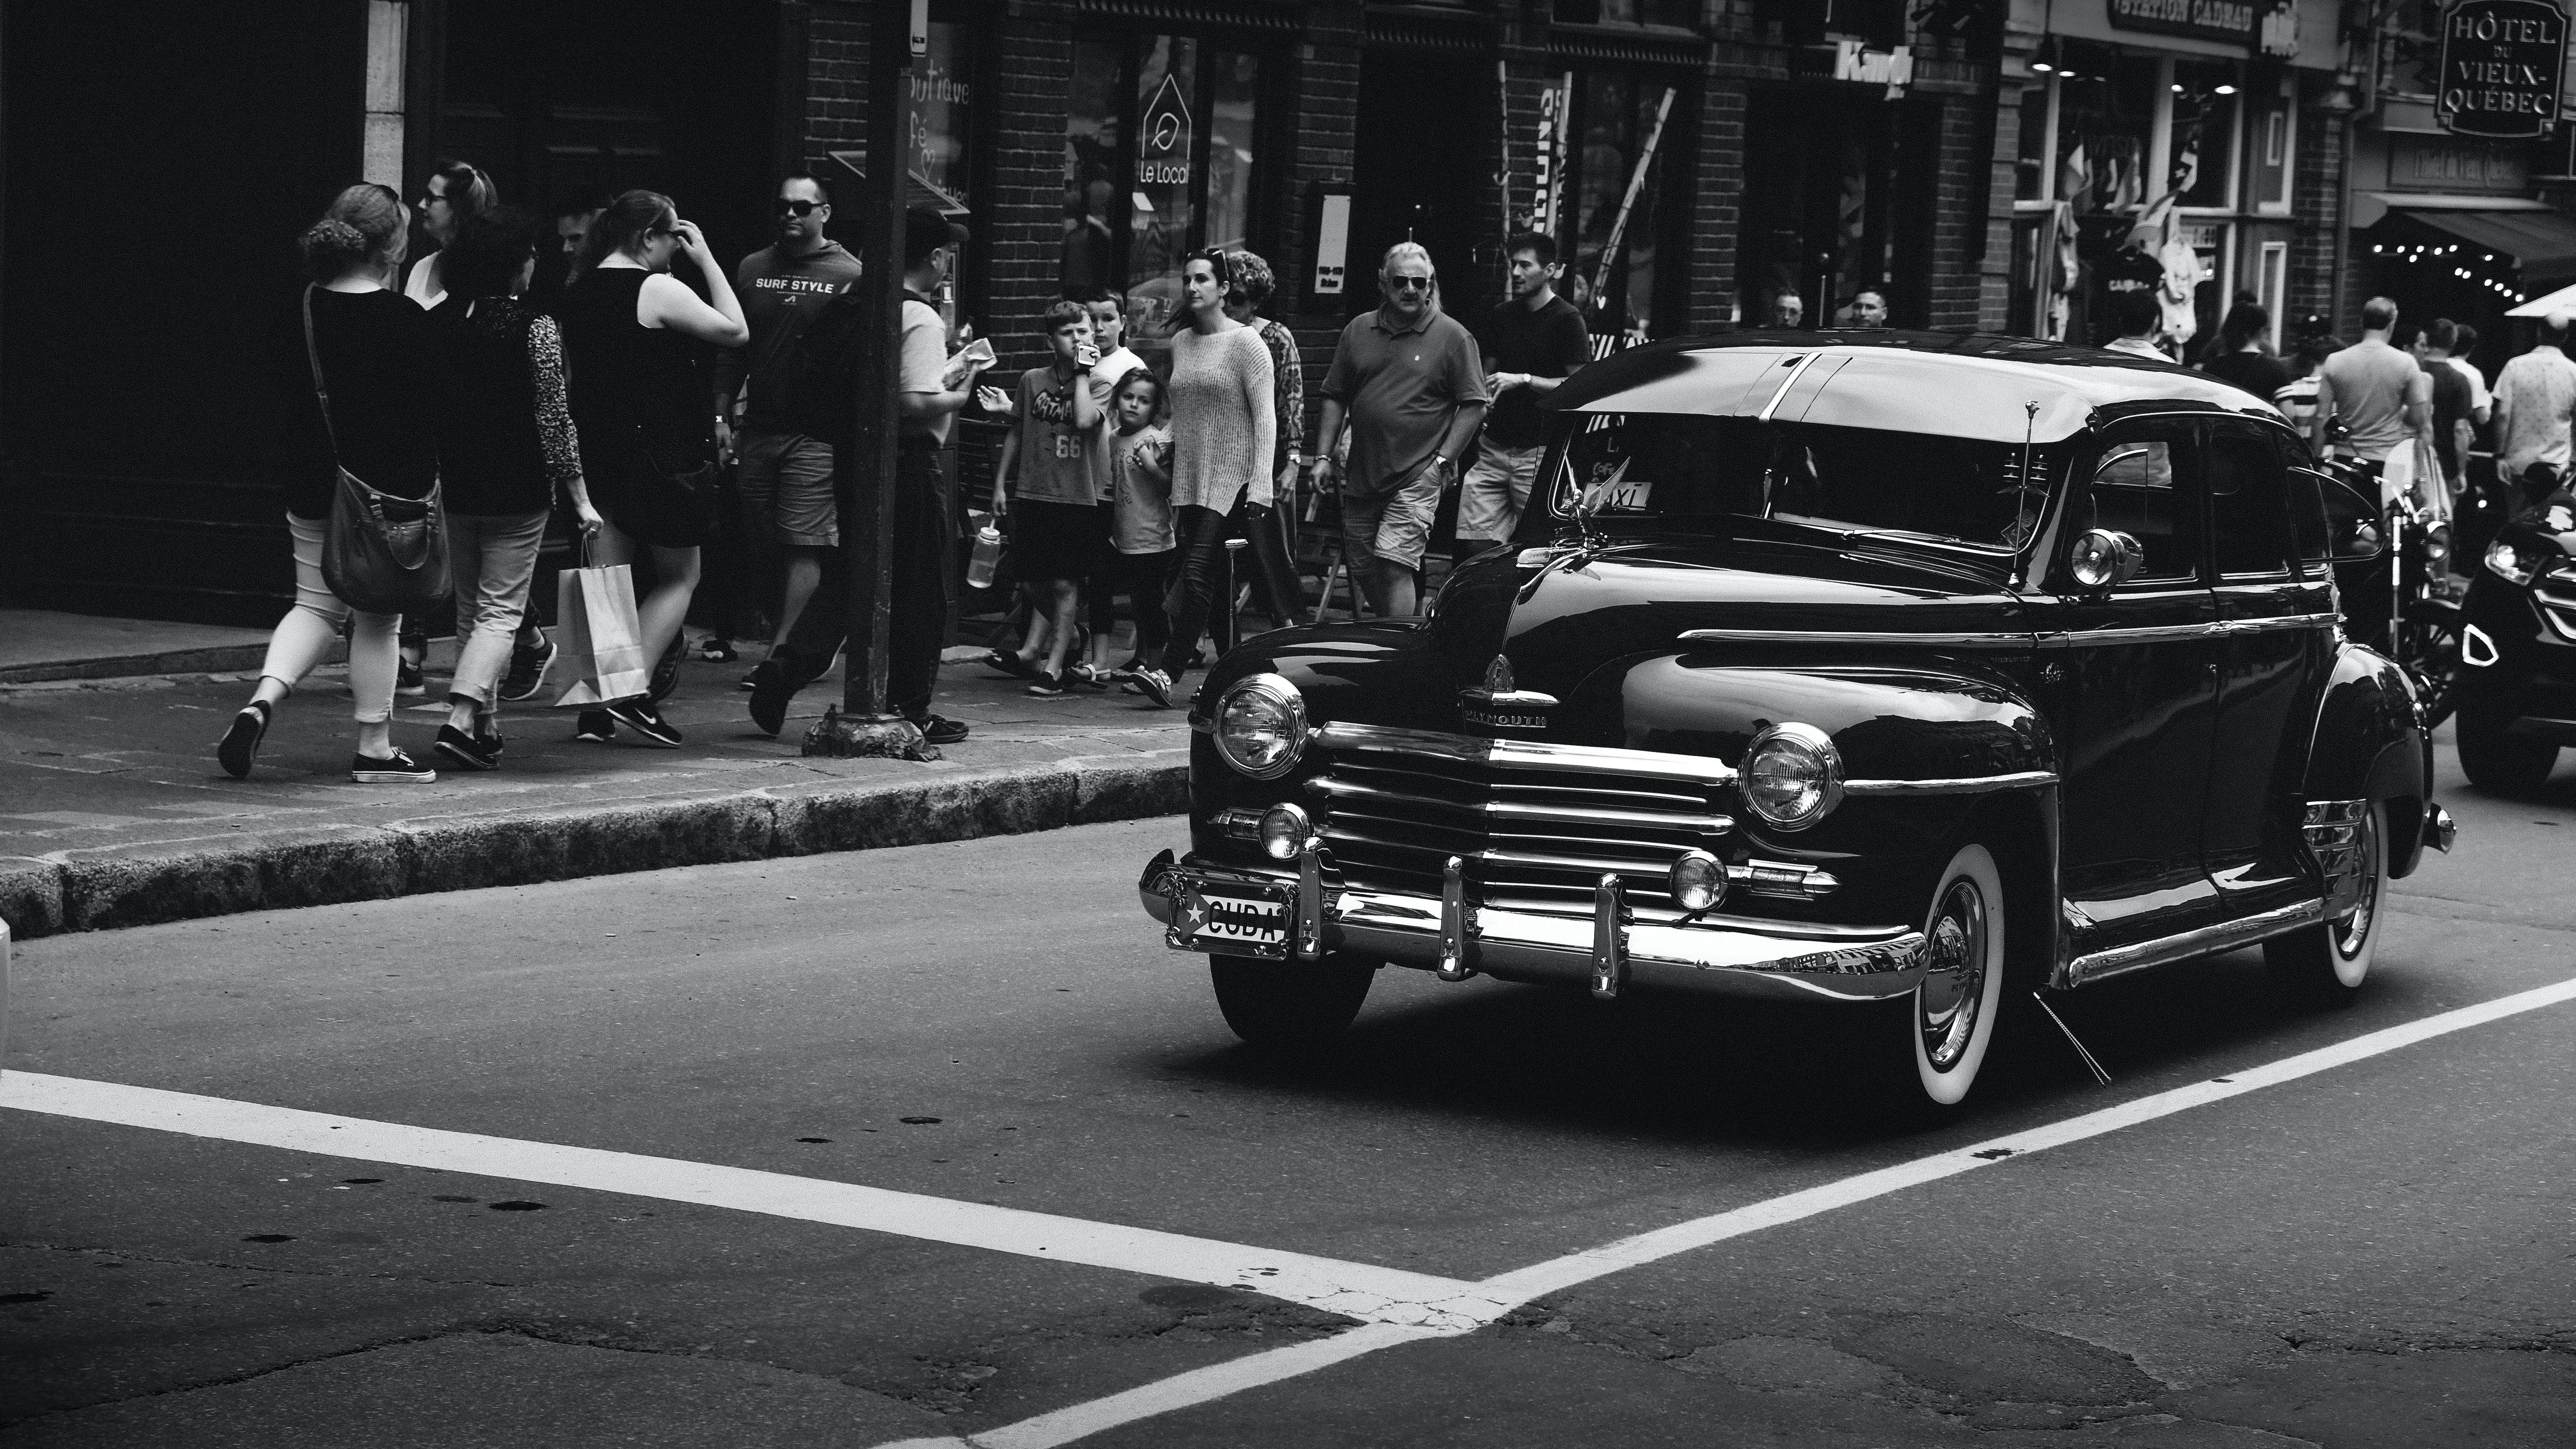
373	350
639	342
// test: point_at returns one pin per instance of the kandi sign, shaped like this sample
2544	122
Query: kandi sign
2501	63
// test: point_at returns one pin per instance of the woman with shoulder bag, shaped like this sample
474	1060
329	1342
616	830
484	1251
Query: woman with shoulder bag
368	409
506	443
639	343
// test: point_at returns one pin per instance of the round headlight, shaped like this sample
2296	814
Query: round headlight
1261	726
1284	831
1792	776
1698	881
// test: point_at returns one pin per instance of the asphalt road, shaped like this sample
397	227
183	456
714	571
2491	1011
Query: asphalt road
2376	1254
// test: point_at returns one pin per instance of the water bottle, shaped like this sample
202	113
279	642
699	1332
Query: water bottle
988	554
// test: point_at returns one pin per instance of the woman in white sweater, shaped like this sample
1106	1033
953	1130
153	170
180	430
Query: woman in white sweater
1224	430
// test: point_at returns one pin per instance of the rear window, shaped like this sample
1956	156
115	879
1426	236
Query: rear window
1683	468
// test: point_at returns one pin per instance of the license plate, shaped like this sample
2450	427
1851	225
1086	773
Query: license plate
1211	920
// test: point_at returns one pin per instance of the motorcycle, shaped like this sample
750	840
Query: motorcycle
2406	603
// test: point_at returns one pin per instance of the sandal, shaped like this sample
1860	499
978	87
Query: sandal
716	649
1002	662
1089	676
1052	686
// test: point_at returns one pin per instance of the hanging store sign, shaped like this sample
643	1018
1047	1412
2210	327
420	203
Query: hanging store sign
2228	22
2501	65
1893	69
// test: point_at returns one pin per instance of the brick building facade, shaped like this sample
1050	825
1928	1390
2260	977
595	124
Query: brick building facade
1696	157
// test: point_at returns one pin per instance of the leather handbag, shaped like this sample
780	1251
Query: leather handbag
676	507
381	553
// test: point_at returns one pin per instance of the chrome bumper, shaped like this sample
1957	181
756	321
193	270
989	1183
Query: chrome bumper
1606	950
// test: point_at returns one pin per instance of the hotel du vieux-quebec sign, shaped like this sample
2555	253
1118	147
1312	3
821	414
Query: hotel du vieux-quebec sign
2501	66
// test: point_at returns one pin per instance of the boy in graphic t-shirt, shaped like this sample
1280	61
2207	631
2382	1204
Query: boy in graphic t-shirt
1054	525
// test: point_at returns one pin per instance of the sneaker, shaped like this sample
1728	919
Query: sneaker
396	769
1155	685
1051	686
239	748
487	733
464	749
409	680
939	729
666	670
750	681
595	726
769	696
640	716
528	666
717	649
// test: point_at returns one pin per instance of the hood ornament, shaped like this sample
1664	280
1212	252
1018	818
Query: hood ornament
1500	703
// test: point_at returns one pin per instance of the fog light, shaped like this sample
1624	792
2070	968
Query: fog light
1698	881
1285	831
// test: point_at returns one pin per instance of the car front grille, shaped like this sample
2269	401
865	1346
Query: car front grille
2555	590
1536	829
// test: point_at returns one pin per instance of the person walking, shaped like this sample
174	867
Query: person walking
783	476
1532	342
1274	539
636	340
2455	407
1224	427
1411	385
2140	323
506	445
2239	358
455	190
930	387
2385	402
2535	400
372	353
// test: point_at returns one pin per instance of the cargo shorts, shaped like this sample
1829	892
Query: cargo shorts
1392	521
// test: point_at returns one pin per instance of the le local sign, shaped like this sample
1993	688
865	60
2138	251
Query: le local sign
2501	65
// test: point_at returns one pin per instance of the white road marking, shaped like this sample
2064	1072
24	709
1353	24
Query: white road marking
1357	1290
1063	1426
1397	1307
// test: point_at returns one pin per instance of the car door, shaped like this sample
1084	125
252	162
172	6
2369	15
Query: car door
2136	670
2275	643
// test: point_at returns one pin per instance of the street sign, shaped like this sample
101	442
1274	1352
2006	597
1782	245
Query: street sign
1332	243
2501	66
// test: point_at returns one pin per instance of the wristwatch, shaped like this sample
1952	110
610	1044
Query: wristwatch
1440	461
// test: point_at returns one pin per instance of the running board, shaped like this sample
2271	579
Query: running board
2205	941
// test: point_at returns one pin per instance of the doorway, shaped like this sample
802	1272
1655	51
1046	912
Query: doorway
1836	193
1422	175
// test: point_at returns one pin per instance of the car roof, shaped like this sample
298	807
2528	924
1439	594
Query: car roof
1945	384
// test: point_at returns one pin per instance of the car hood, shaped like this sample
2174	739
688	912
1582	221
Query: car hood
1558	617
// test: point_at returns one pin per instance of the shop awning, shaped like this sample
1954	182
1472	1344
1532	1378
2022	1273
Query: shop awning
2542	243
2562	300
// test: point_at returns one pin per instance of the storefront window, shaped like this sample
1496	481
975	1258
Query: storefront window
1158	163
2107	115
2204	134
2030	166
1625	122
939	123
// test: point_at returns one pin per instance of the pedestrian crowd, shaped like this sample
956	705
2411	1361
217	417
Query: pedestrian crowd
461	403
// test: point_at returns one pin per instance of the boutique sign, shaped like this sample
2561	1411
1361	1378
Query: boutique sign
2502	61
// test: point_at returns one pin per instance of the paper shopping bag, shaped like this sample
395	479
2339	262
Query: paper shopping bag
602	642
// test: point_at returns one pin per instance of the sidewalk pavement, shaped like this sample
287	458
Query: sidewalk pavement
113	811
40	644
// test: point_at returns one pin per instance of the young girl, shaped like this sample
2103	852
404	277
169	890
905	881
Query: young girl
1139	510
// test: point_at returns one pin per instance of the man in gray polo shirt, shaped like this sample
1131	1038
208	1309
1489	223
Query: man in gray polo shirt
1412	385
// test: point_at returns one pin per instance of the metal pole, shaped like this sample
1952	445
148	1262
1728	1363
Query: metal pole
867	480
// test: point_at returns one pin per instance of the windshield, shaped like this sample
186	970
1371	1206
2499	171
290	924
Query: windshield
1681	468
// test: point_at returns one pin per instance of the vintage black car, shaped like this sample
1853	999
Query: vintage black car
1899	670
2516	684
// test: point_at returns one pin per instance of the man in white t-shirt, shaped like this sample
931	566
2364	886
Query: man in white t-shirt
930	387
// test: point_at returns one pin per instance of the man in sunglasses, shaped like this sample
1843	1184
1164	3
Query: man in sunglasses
1411	383
784	477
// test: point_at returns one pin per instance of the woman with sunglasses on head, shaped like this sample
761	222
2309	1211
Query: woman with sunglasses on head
453	192
372	353
1225	429
638	343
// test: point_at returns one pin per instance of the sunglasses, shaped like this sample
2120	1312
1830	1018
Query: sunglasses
798	209
1409	284
1216	263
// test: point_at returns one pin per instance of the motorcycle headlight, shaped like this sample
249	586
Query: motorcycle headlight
2512	565
1261	726
1792	776
2437	542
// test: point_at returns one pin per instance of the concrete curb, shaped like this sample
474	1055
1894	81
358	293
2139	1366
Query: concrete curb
213	659
104	889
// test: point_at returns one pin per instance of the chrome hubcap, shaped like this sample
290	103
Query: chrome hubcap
1954	979
2353	932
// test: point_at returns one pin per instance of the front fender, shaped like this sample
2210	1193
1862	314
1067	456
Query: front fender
2368	743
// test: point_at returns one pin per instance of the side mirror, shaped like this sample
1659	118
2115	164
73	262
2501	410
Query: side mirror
2104	559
